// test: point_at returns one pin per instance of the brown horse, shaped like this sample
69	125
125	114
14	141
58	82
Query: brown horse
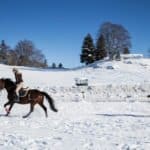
33	97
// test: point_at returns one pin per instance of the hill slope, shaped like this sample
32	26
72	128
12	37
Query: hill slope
89	118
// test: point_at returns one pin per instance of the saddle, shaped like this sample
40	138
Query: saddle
23	92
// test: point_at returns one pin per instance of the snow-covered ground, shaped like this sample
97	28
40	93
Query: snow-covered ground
112	113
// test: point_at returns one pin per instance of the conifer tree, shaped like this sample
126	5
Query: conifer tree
60	65
126	51
53	65
100	51
3	52
87	55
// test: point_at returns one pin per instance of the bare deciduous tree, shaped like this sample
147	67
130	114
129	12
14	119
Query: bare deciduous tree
38	59
116	37
28	55
12	57
24	49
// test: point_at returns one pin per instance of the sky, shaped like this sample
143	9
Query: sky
58	27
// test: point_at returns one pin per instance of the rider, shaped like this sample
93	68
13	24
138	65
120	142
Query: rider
19	82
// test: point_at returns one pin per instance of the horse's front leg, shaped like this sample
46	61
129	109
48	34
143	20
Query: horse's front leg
9	109
8	103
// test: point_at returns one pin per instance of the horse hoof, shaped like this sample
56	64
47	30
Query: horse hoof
24	116
7	110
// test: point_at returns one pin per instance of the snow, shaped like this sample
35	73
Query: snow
111	113
131	56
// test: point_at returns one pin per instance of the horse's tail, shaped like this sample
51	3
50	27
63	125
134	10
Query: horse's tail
148	96
50	100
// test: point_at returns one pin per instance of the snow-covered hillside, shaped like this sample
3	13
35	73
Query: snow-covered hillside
113	81
111	113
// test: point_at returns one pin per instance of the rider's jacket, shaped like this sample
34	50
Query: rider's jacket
18	77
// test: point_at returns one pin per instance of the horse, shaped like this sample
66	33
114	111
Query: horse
33	96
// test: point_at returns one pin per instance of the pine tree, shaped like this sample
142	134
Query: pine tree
3	52
100	51
87	55
126	51
53	65
60	65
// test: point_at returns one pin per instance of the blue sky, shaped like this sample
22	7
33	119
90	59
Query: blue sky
59	26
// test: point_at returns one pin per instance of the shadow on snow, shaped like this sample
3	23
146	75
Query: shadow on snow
124	115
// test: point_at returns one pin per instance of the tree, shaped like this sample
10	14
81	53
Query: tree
100	51
87	55
126	51
4	48
24	50
12	58
148	53
38	59
116	37
45	63
29	55
53	65
60	65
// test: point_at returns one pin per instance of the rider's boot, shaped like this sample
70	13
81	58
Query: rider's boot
17	98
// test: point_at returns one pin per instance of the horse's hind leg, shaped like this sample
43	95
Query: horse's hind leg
44	108
31	110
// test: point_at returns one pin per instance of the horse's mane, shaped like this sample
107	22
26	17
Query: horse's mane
9	81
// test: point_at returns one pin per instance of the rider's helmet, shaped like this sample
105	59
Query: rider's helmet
15	70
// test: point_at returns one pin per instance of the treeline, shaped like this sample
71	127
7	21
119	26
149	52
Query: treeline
24	54
54	66
111	41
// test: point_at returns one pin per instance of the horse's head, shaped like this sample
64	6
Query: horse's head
2	83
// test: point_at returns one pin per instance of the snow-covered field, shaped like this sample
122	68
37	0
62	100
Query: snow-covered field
112	113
